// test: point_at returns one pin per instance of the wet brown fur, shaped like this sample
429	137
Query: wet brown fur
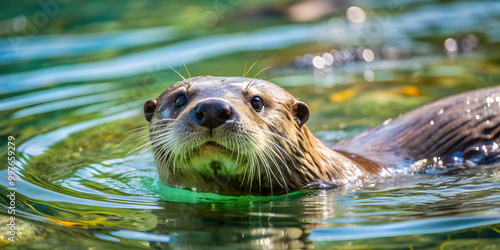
371	154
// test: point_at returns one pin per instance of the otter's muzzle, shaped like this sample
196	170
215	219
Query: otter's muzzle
211	113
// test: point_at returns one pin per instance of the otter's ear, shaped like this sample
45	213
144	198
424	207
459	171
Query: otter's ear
301	112
149	109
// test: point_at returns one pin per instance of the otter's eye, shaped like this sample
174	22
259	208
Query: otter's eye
180	100
257	103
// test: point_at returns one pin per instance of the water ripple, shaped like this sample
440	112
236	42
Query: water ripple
422	226
51	46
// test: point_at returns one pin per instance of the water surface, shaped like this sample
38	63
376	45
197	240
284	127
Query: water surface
71	89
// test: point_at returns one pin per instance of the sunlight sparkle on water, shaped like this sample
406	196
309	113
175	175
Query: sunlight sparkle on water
328	58
318	62
356	14
450	45
368	55
369	76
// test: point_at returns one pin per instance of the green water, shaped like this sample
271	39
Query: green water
75	74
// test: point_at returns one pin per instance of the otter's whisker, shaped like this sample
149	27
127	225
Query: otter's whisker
180	75
160	123
245	74
250	82
272	151
138	148
131	138
245	70
166	157
266	168
171	157
146	143
134	130
279	136
281	157
235	142
249	165
251	168
184	156
142	152
139	140
164	119
266	151
280	149
185	66
258	170
164	151
178	149
269	152
150	142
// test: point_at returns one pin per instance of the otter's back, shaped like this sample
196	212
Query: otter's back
459	130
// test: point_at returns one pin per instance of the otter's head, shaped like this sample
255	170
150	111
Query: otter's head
229	135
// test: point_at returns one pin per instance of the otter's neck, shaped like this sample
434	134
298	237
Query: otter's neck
327	165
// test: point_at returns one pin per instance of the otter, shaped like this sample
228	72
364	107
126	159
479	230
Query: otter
236	135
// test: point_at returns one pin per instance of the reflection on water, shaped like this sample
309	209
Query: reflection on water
70	91
56	46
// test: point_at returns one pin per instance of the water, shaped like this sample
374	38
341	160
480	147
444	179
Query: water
71	89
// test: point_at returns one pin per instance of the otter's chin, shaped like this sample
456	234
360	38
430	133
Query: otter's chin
212	150
212	158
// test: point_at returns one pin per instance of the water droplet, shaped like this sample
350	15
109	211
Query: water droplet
490	100
469	43
308	59
356	14
386	122
368	55
369	76
432	123
450	45
328	58
318	62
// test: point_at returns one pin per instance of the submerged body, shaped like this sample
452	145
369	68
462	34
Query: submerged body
235	135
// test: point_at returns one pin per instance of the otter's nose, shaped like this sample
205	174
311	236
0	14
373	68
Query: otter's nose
212	113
